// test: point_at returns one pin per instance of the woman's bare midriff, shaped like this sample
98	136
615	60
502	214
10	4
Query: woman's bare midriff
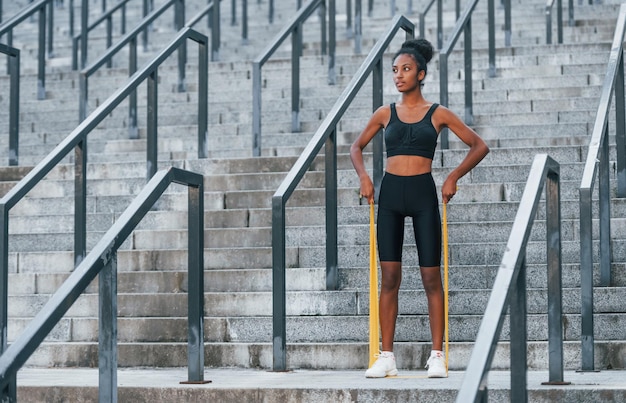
408	165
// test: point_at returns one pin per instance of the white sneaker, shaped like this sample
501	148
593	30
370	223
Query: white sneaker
437	365
385	365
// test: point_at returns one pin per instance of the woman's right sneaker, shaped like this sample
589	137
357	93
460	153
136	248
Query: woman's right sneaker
385	365
437	365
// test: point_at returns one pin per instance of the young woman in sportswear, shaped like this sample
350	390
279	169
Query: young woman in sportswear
411	128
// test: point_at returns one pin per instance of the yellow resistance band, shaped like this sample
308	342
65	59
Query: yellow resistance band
445	277
374	336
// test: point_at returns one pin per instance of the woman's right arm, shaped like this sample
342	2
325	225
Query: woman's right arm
377	122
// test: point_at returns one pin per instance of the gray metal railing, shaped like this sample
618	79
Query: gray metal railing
214	23
106	17
294	29
598	163
77	140
559	19
464	25
44	10
14	101
102	262
130	39
326	135
509	291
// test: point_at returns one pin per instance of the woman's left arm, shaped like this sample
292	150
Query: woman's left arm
478	149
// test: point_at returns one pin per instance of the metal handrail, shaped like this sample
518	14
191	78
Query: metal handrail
463	25
102	262
77	140
8	26
131	39
105	17
294	29
598	163
509	291
326	134
14	102
559	19
214	24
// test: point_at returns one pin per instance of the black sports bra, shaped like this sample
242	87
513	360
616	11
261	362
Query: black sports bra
418	138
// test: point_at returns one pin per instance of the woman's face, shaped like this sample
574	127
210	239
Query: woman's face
406	73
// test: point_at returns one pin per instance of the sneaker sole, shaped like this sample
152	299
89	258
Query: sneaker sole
392	373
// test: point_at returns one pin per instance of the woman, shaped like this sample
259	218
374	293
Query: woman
412	127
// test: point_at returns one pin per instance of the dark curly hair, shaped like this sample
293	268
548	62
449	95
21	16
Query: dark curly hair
420	49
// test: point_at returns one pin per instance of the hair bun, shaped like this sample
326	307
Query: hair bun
422	46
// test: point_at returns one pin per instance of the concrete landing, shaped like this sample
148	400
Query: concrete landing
248	385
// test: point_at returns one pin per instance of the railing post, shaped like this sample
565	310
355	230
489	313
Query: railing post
586	280
195	298
377	141
492	37
133	130
50	26
41	65
555	290
256	109
215	31
332	42
620	128
559	20
9	393
605	210
469	108
332	259
296	51
84	16
244	22
107	331
203	99
14	107
518	336
443	94
439	24
279	338
80	201
507	23
152	124
358	36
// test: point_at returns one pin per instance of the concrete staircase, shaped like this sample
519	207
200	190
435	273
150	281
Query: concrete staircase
543	100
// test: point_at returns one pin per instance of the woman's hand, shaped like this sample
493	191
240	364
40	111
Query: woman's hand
367	189
448	190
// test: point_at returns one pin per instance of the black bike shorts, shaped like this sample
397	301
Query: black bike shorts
415	197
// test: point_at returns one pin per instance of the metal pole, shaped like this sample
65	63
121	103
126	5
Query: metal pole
296	51
84	16
80	201
279	312
605	210
469	108
358	36
41	65
107	331
332	259
555	289
492	37
203	99
620	128
14	105
256	109
377	142
586	280
195	296
332	43
518	311
152	124
133	130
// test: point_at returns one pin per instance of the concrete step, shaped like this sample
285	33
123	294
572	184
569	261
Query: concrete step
251	385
